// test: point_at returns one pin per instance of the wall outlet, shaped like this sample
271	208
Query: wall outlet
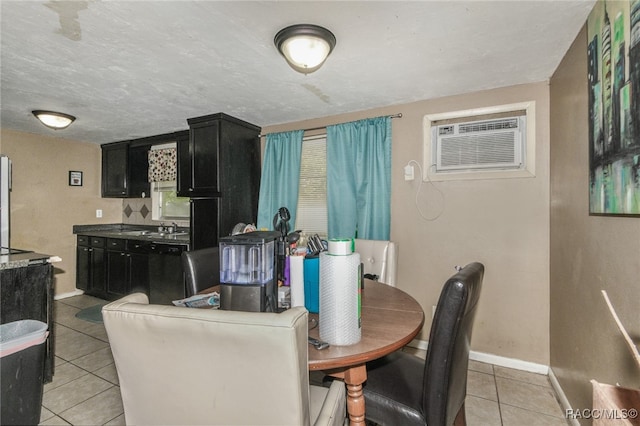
99	213
408	172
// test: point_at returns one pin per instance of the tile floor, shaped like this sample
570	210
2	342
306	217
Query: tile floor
85	387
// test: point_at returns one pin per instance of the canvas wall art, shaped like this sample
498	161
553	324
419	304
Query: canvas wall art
613	57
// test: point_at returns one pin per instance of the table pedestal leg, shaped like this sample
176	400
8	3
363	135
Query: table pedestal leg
353	378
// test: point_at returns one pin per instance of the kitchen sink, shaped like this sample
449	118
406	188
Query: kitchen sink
165	234
135	233
145	233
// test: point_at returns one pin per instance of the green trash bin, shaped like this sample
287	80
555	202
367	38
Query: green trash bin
22	348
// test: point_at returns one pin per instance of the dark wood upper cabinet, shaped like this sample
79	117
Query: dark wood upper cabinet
125	165
223	156
139	186
115	160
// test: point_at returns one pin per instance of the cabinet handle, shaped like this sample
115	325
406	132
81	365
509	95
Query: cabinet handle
121	254
190	189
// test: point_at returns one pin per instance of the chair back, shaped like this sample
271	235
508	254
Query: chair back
445	375
201	269
379	258
192	366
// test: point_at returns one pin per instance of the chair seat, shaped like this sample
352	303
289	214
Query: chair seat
328	406
393	390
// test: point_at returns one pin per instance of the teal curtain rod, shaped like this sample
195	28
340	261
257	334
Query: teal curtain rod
398	115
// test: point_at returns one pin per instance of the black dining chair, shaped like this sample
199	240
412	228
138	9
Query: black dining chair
403	389
201	269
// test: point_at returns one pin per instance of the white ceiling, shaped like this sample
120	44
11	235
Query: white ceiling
130	69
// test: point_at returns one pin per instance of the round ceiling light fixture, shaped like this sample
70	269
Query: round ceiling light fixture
54	120
305	46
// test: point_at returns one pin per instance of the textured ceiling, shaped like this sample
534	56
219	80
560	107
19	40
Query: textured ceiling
130	69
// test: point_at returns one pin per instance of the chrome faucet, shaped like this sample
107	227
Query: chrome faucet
174	227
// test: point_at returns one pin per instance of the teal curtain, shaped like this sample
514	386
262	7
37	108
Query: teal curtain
359	179
280	177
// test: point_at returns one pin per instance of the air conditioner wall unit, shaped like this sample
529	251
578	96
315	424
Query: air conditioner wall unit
496	144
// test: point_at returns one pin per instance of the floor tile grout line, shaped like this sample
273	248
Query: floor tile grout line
59	414
99	393
495	384
532	411
527	382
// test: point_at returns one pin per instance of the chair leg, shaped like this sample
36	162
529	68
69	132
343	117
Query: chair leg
461	417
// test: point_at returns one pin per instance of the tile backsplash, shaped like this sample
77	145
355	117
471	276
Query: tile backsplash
137	211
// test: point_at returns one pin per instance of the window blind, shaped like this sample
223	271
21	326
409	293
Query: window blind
311	216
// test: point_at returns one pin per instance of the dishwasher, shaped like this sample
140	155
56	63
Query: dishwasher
166	278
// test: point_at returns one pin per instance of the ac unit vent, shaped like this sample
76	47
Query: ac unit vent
486	126
480	145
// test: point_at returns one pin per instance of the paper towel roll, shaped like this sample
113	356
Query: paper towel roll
340	299
296	265
340	247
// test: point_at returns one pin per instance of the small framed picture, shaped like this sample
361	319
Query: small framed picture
75	178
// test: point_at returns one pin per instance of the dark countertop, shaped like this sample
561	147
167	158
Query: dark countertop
133	232
21	260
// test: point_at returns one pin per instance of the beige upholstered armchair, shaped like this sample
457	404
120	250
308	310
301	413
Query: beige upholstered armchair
187	366
379	258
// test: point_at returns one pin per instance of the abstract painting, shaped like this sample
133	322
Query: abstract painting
613	58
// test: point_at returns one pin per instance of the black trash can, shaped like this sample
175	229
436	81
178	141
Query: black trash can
22	347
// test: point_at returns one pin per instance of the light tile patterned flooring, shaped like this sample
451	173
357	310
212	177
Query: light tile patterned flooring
85	387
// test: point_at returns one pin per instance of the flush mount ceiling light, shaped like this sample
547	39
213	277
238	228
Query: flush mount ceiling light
54	120
305	46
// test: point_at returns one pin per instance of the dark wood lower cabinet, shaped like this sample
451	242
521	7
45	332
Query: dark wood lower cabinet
91	272
129	266
126	273
27	293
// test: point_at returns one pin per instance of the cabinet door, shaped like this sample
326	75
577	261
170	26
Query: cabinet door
138	183
114	169
184	166
117	264
138	273
83	267
203	149
98	272
204	223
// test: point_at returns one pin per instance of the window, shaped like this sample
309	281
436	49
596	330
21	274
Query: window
166	205
311	216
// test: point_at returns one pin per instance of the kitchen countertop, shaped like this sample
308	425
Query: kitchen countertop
133	232
21	260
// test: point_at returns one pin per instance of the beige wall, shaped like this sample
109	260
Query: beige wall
503	223
588	253
44	207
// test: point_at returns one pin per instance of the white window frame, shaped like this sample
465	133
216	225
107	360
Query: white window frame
317	219
159	190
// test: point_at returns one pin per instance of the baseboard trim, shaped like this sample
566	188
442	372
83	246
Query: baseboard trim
502	361
562	398
76	292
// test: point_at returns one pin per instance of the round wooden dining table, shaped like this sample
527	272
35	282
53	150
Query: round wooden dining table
390	318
